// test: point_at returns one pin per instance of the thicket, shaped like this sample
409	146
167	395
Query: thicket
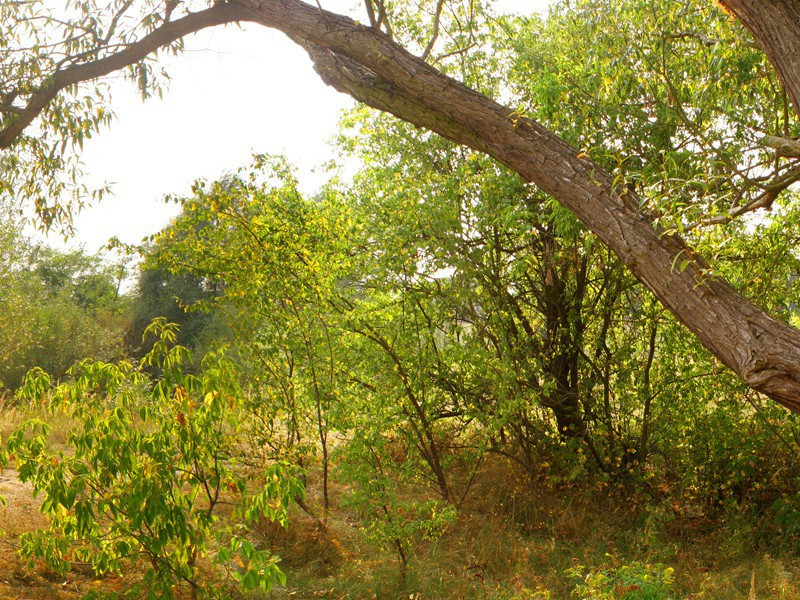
58	307
400	341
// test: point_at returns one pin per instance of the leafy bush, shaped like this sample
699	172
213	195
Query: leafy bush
389	517
634	581
149	466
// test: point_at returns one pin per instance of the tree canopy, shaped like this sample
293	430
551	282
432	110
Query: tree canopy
50	103
531	281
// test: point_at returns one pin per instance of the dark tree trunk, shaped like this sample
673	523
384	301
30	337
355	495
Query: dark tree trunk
561	307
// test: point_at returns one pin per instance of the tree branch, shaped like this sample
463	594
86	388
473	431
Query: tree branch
169	32
763	200
368	65
785	147
775	25
373	22
435	34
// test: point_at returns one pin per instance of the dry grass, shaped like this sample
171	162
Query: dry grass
514	539
14	415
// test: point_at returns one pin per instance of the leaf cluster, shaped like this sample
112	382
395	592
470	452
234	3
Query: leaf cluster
150	466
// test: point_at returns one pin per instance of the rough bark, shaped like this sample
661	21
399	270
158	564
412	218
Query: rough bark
775	25
783	147
366	64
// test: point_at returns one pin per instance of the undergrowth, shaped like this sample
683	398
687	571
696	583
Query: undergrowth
518	539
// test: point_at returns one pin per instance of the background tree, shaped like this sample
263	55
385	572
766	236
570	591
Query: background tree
182	299
45	66
58	307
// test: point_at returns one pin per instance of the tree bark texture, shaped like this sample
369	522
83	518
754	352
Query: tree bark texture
366	64
775	25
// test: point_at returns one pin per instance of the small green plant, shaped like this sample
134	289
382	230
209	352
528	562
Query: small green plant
403	526
786	510
150	463
634	581
389	518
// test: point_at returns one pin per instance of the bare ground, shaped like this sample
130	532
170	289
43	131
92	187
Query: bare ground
19	515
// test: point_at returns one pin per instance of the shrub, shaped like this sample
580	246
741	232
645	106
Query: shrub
634	581
150	464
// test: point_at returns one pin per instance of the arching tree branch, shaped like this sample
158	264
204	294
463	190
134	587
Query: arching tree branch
161	37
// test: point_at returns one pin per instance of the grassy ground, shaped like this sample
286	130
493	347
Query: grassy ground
521	551
513	539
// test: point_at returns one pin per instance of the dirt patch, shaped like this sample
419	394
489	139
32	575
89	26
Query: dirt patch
20	515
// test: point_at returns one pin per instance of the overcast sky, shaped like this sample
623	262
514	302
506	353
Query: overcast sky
233	93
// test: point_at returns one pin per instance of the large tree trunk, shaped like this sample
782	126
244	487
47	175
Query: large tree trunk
366	64
775	24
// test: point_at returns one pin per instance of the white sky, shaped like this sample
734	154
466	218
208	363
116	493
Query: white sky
233	93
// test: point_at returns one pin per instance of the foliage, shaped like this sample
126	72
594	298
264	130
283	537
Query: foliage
395	333
634	581
58	307
391	515
85	279
277	259
555	338
41	42
150	465
668	96
532	328
159	293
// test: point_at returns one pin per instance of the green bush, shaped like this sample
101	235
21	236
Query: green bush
149	465
634	581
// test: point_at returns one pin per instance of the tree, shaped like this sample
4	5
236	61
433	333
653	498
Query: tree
45	67
161	294
275	257
58	307
153	461
83	278
521	308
